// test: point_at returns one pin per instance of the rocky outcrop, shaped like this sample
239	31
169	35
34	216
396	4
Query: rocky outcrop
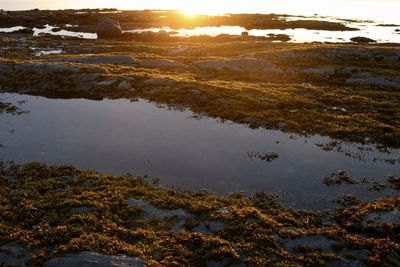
246	64
323	72
361	40
45	68
108	28
161	63
116	60
376	81
86	258
14	255
328	54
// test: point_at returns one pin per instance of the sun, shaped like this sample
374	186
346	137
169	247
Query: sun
206	7
190	12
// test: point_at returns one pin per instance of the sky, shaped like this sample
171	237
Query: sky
381	10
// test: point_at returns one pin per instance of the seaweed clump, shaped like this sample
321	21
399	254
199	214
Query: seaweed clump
57	210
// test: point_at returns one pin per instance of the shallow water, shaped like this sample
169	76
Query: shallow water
367	29
39	52
120	136
11	29
48	29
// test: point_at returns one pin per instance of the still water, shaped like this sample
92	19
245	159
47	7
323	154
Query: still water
120	136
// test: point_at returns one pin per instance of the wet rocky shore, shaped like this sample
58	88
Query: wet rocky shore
63	216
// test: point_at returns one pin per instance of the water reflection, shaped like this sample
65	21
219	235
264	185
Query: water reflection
48	29
119	136
370	30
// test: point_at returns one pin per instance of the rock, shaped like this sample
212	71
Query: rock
6	67
378	217
346	72
278	37
324	72
238	64
313	242
245	34
329	54
91	259
115	60
83	81
106	83
128	78
108	28
163	35
81	210
377	81
361	40
160	81
190	51
387	55
280	125
161	63
177	51
209	227
14	255
124	85
46	68
362	75
56	29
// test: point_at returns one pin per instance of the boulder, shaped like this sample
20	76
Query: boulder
361	40
108	28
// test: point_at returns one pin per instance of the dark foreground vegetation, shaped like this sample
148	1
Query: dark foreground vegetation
68	215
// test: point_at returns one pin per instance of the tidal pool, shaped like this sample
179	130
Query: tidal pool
120	136
381	34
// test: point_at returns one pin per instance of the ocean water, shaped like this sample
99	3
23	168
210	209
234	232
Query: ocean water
384	11
120	136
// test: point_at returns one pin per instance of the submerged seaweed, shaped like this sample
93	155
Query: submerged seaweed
58	210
